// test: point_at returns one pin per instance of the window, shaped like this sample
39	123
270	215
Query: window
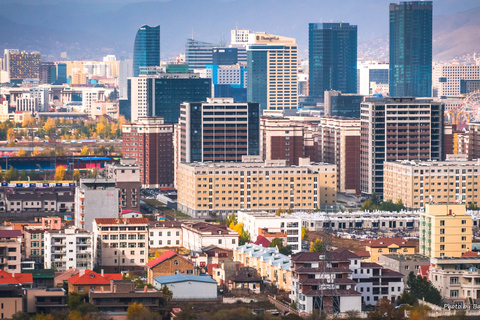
453	293
453	280
80	289
219	241
175	262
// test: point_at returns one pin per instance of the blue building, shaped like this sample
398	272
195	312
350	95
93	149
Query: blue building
224	56
229	81
146	50
198	53
332	58
61	73
411	49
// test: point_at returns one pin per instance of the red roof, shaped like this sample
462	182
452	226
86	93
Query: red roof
91	277
262	241
386	242
15	278
130	211
210	267
362	254
424	270
125	221
167	255
471	254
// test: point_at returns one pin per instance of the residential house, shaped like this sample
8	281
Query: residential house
45	300
246	278
87	280
388	246
197	235
167	264
404	263
11	300
10	250
165	234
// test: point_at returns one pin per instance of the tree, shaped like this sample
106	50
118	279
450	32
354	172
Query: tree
75	300
76	175
36	152
11	174
231	218
420	288
384	310
21	153
293	305
20	315
316	246
304	233
23	175
472	206
278	243
419	312
111	149
11	134
406	298
375	199
85	151
138	312
167	293
60	173
279	212
101	150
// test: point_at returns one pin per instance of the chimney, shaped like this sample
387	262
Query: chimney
145	289
82	272
102	273
101	289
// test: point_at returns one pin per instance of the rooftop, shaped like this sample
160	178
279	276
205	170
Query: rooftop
407	257
182	278
387	242
90	277
167	255
124	221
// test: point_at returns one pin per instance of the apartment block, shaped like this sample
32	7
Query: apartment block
34	245
417	183
197	236
221	189
165	234
24	65
381	246
121	244
447	78
445	231
287	228
339	143
149	142
126	175
472	141
68	248
397	129
10	250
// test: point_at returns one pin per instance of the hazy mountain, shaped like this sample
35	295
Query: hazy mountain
91	29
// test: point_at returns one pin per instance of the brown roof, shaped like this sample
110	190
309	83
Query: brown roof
471	254
371	265
319	281
210	228
328	293
316	256
125	221
345	254
386	242
245	274
165	224
333	270
391	273
362	254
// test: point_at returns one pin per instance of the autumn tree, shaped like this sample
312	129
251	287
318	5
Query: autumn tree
11	134
11	174
304	233
76	175
316	246
21	153
384	310
85	151
231	219
60	173
138	312
36	152
23	175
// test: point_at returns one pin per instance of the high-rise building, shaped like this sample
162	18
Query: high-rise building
339	143
146	50
411	49
218	130
371	75
48	72
61	73
6	59
229	81
24	65
161	96
198	53
126	71
447	78
338	104
149	142
397	129
224	56
332	58
272	71
445	231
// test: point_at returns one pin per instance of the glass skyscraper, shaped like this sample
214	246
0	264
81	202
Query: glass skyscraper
146	51
332	58
411	49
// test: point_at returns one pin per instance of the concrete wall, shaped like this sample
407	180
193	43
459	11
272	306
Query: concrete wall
190	290
100	204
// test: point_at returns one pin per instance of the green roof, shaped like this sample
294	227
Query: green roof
41	273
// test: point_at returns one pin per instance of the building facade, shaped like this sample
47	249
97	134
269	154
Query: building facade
397	129
447	78
411	49
24	65
371	75
197	236
338	104
146	49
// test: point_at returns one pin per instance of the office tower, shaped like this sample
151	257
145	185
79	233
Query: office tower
445	231
239	36
272	71
218	130
149	142
332	58
473	141
161	96
24	65
339	143
61	73
48	72
448	79
251	184
6	59
229	81
281	139
372	78
198	53
411	49
397	129
146	51
342	105
224	56
126	71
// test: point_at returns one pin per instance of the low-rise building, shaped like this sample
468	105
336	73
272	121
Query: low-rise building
273	267
165	234
10	250
34	245
202	234
288	227
245	279
121	294
45	300
221	189
12	300
68	248
188	287
87	280
404	263
121	244
22	279
388	245
167	264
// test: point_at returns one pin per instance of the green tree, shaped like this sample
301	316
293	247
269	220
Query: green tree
420	288
244	237
20	315
11	174
167	293
472	206
276	242
23	175
231	218
293	305
101	150
375	199
316	246
75	300
406	298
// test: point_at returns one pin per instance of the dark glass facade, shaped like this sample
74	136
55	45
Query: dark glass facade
48	73
224	56
411	49
257	77
61	73
146	50
332	58
196	130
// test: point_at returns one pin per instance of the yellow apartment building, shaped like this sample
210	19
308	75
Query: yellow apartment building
383	246
221	189
445	231
417	183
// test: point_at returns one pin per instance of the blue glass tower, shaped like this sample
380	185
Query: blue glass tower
146	51
411	49
61	73
332	58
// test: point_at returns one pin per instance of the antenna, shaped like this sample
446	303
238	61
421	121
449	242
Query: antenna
192	33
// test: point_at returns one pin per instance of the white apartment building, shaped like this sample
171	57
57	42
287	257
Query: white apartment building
121	244
239	36
370	75
290	227
447	78
166	234
200	235
140	105
68	248
126	71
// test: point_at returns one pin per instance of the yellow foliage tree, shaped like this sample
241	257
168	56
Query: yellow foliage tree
85	151
21	153
134	311
11	134
100	129
36	152
59	173
49	126
76	174
316	246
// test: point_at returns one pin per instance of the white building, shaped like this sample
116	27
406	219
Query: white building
446	80
199	235
188	287
166	234
289	226
371	74
68	248
126	71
